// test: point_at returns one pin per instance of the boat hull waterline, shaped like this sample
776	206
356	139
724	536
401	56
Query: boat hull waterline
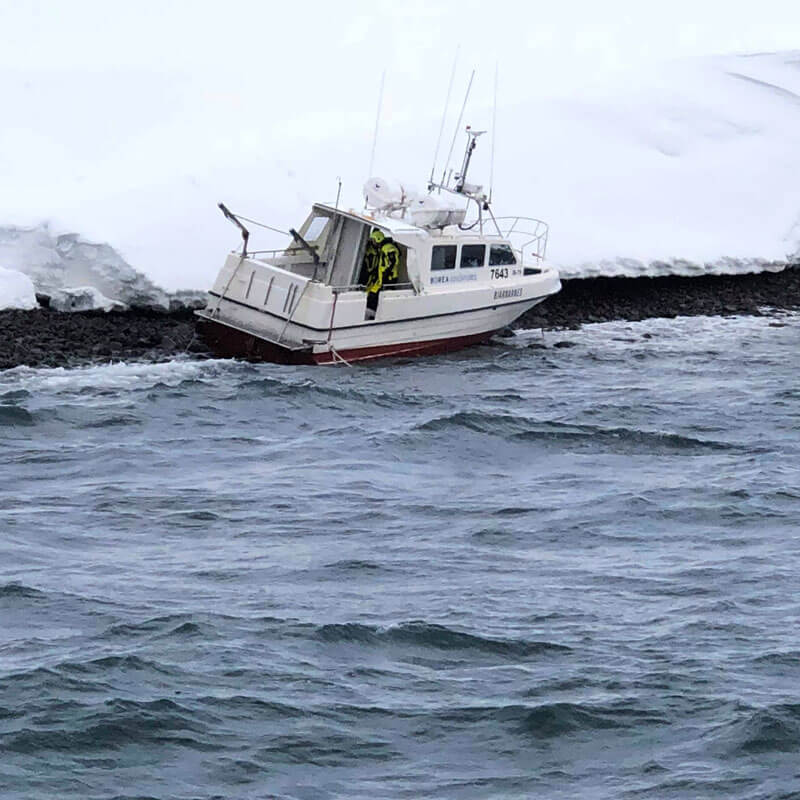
227	342
228	338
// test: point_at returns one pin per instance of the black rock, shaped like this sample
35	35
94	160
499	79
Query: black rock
536	322
47	337
605	299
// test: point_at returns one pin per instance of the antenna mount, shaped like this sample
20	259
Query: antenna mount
462	187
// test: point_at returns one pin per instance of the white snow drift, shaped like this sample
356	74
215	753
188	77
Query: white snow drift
16	290
82	298
79	275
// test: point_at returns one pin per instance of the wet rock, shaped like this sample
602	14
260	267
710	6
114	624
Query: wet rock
603	299
45	337
197	346
536	322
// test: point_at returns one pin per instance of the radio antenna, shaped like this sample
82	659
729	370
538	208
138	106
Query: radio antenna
377	123
494	134
458	126
444	116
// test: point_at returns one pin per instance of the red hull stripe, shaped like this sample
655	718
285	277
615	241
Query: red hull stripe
430	347
232	343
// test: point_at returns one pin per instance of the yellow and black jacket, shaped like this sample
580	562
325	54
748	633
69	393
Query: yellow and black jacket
384	265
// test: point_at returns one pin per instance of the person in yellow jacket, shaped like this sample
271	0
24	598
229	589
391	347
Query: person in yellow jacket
369	266
382	260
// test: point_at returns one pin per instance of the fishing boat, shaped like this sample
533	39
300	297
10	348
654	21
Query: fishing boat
463	275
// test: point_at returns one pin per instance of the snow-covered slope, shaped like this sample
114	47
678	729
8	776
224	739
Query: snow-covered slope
685	170
688	167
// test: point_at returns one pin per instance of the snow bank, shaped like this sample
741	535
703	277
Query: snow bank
59	263
16	290
686	168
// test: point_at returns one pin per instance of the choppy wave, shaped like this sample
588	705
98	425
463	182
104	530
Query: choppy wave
20	590
437	637
558	719
13	416
355	565
775	728
562	434
116	724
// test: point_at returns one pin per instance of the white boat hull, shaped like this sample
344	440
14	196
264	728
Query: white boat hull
261	312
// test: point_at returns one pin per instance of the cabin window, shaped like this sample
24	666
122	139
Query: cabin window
444	256
315	228
473	255
500	255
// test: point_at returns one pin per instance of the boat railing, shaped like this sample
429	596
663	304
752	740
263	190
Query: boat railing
287	258
280	251
527	235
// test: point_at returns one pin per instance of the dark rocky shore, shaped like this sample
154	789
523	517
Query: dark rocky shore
606	299
51	338
56	339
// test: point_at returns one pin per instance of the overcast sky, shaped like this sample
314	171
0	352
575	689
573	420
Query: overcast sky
407	36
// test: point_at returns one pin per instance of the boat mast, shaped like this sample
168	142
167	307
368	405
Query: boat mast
455	132
494	137
444	118
461	177
375	134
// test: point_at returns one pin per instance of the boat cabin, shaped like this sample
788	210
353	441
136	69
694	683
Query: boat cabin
338	239
331	243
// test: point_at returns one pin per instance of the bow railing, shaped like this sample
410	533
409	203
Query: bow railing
528	235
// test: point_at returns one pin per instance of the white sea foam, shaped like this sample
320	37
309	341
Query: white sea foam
116	377
679	334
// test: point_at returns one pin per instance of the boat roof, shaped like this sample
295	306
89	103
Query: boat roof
403	226
387	223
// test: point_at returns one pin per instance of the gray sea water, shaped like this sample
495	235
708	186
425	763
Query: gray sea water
516	571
